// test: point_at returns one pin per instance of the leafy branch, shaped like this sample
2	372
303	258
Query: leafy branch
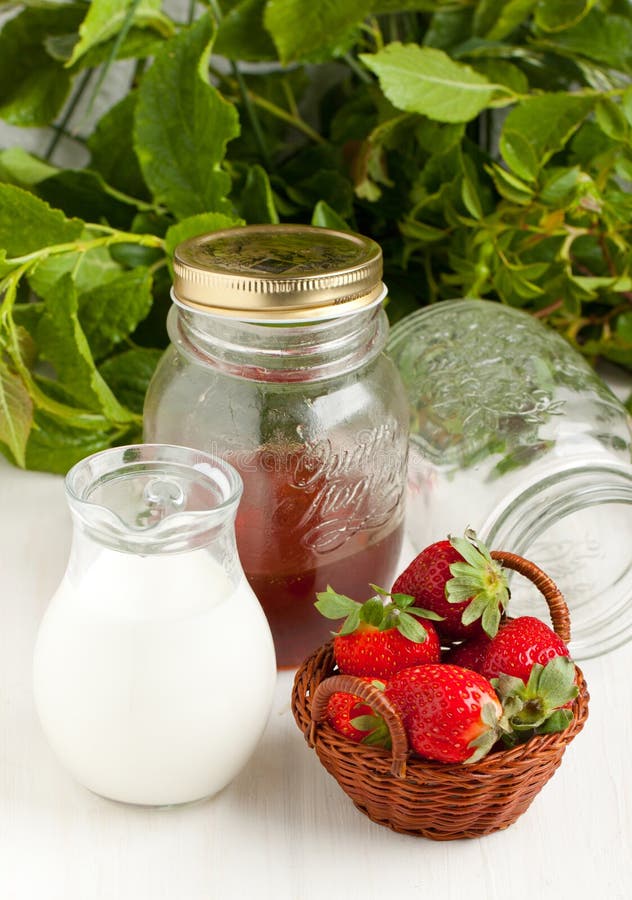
487	146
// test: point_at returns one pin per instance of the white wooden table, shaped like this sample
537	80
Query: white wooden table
283	830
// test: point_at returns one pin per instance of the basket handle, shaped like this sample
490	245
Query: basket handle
558	609
351	684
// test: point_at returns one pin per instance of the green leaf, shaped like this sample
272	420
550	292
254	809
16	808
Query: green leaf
203	223
496	20
33	85
604	37
109	312
378	7
611	119
626	105
256	202
55	447
241	34
105	18
128	375
539	127
299	28
84	194
558	15
426	80
28	224
560	187
557	721
183	125
91	267
112	149
469	190
557	681
372	612
411	629
21	168
510	187
333	605
502	72
61	342
16	413
326	217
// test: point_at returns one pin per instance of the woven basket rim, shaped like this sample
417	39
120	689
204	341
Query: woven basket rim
377	757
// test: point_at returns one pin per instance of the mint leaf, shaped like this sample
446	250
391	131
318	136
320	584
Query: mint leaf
33	85
88	268
105	18
241	34
28	224
61	342
109	312
604	37
495	21
425	80
256	200
326	217
194	225
558	15
128	375
112	149
55	447
16	413
21	168
301	27
85	195
183	125
539	127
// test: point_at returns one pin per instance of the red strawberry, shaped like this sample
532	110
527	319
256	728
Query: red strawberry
450	714
353	718
381	636
470	654
460	581
518	645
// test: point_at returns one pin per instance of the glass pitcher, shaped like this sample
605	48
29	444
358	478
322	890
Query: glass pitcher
154	665
515	435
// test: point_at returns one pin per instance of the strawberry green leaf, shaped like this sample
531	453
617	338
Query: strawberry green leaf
557	721
333	605
372	612
402	601
480	578
411	629
528	707
425	614
557	681
351	623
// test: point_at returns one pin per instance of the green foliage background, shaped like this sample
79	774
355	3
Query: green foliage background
486	144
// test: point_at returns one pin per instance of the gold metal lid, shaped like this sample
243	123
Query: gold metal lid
278	273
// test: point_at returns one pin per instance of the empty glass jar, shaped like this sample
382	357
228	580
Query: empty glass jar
515	435
277	365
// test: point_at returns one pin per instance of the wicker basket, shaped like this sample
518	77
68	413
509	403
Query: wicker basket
419	797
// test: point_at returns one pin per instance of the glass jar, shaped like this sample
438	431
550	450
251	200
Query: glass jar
277	365
515	435
154	665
